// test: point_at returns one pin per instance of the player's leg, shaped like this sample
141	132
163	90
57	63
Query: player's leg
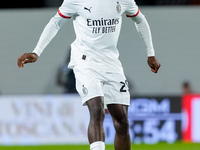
89	87
96	134
121	124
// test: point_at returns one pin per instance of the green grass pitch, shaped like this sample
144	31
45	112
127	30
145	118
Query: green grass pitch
159	146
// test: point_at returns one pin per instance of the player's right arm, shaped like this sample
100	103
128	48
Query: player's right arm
47	35
64	13
26	58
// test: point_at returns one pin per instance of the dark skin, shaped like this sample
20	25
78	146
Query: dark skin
153	64
95	105
26	58
119	114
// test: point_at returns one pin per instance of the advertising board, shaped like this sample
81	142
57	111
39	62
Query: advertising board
191	117
61	119
151	120
48	119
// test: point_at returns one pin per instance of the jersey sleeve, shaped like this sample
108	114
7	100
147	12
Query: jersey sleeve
67	9
132	10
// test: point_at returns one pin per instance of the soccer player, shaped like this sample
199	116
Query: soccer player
100	78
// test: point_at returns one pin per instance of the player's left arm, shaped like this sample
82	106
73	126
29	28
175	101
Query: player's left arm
144	31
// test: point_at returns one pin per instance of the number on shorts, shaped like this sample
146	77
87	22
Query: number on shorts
123	86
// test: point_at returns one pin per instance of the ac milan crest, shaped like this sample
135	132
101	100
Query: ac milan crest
118	7
85	91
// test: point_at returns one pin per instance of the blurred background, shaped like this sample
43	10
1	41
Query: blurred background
39	104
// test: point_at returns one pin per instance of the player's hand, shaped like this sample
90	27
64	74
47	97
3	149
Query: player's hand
153	64
26	58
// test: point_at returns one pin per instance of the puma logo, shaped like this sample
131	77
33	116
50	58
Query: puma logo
88	9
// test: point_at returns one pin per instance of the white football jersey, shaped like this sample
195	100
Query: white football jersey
97	25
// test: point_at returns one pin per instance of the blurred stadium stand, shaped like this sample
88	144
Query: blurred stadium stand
22	4
167	2
140	2
176	2
57	3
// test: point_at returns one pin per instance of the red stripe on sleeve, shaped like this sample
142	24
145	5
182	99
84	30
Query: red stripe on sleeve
134	15
63	15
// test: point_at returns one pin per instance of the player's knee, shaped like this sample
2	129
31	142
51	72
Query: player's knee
122	126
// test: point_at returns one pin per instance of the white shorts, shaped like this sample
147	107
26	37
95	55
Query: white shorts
91	83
